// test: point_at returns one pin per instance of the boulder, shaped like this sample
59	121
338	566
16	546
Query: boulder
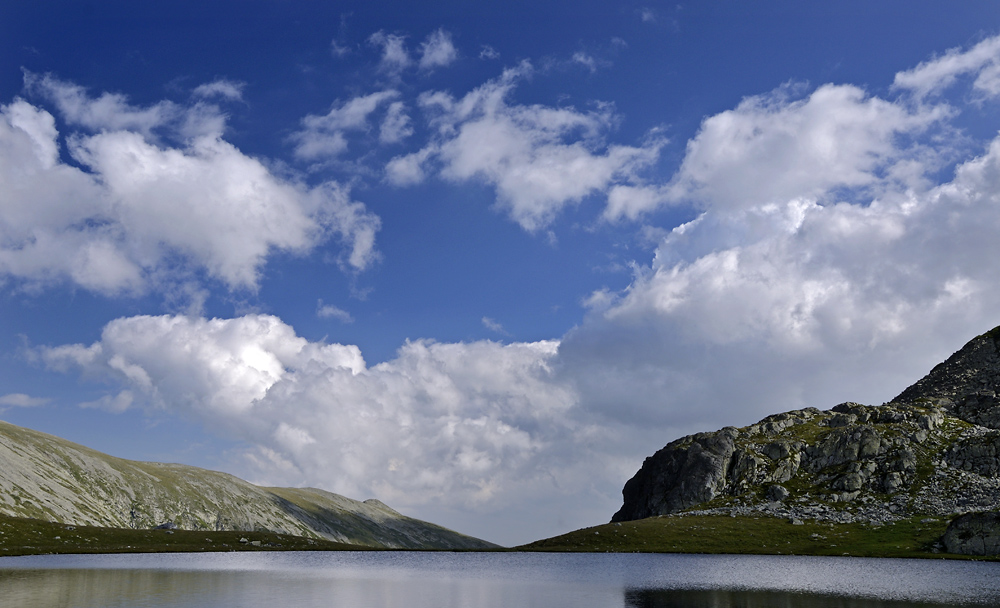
684	473
776	493
973	534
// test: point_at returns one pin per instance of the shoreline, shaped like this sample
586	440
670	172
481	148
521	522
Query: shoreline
911	538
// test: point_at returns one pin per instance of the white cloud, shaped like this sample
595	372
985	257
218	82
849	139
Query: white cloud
479	426
747	313
494	326
396	125
329	311
488	52
408	169
227	89
113	404
22	400
339	50
631	202
585	60
395	57
324	136
773	148
138	207
784	292
538	158
109	111
935	75
437	51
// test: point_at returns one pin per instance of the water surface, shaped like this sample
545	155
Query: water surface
473	580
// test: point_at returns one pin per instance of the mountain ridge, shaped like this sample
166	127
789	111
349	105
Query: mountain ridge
49	478
933	451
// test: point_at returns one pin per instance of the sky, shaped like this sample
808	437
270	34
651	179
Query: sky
478	260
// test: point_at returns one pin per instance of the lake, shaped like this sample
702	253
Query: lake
472	580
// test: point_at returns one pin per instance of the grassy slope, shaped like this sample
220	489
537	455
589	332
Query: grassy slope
761	536
47	478
690	534
20	536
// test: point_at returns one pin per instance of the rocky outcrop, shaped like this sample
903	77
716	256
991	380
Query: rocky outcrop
687	472
45	477
933	451
973	534
965	384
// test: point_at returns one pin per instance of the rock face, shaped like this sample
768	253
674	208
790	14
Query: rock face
973	534
934	450
680	475
48	478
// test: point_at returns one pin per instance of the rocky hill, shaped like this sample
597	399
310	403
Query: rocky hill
48	478
934	450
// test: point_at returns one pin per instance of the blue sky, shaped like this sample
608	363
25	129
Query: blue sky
478	261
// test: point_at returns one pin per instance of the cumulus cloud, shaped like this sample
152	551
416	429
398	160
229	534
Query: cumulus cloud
108	111
796	305
395	57
396	125
325	136
836	143
538	158
133	206
472	424
585	60
329	311
773	148
227	89
935	75
788	288
409	169
22	400
437	51
494	326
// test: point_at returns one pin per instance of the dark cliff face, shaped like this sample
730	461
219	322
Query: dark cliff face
935	449
685	473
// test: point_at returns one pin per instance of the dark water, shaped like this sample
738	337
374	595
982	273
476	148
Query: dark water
443	580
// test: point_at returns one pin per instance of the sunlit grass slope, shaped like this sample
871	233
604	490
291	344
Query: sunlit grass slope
749	535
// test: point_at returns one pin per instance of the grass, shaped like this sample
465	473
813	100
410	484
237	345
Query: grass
22	536
909	538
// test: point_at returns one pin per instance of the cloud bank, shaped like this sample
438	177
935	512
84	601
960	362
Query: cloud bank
476	425
112	206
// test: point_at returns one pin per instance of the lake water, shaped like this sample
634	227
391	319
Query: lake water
473	580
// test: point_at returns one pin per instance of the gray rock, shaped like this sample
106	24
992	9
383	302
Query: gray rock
776	493
962	383
687	472
973	534
844	461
